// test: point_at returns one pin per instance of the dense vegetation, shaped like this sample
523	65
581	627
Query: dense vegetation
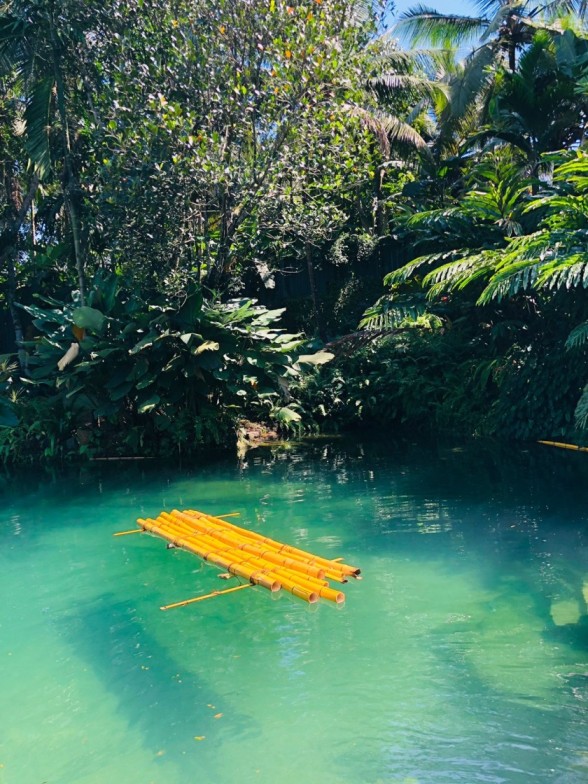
217	211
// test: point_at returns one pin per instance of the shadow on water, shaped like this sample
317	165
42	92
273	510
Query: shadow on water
168	704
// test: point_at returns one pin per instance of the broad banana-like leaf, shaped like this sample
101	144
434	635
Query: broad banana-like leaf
319	358
88	318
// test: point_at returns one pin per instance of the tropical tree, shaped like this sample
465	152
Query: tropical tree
540	107
189	161
44	56
499	34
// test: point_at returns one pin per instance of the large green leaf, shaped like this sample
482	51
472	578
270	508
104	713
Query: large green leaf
319	358
287	415
89	318
149	404
208	345
7	416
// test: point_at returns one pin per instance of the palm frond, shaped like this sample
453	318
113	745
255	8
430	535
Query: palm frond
457	275
422	24
399	131
387	129
37	121
419	85
476	75
569	272
433	62
404	273
578	336
581	412
12	50
509	282
391	311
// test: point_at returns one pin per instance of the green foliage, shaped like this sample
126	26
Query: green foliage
160	377
539	387
413	381
8	417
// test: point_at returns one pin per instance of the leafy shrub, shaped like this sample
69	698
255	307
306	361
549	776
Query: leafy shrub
156	378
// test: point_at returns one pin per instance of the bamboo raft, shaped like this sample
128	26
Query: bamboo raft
248	555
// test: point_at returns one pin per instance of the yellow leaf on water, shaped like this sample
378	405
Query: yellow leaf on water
199	737
217	715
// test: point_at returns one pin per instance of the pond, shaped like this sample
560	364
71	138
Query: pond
462	656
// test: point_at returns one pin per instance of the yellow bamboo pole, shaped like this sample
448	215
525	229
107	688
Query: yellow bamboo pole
256	576
264	544
206	596
234	540
279	546
282	573
126	533
251	567
332	566
565	446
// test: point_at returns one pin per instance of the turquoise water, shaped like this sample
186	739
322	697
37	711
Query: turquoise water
462	656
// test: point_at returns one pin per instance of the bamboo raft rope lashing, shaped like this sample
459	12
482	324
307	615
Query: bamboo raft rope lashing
248	555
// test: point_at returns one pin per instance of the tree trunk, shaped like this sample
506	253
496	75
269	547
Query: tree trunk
512	56
380	221
313	292
71	187
8	243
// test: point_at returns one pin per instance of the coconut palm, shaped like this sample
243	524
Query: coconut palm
503	29
540	107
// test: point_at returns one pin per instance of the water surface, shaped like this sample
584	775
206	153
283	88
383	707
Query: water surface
462	656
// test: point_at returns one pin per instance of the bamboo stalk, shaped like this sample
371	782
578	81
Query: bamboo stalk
227	549
232	540
235	566
574	447
126	533
252	568
206	596
333	566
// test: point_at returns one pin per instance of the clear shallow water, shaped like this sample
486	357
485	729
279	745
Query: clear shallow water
461	657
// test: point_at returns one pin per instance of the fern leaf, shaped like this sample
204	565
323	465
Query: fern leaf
578	336
581	412
390	312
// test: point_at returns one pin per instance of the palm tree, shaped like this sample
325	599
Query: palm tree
501	31
504	27
539	108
